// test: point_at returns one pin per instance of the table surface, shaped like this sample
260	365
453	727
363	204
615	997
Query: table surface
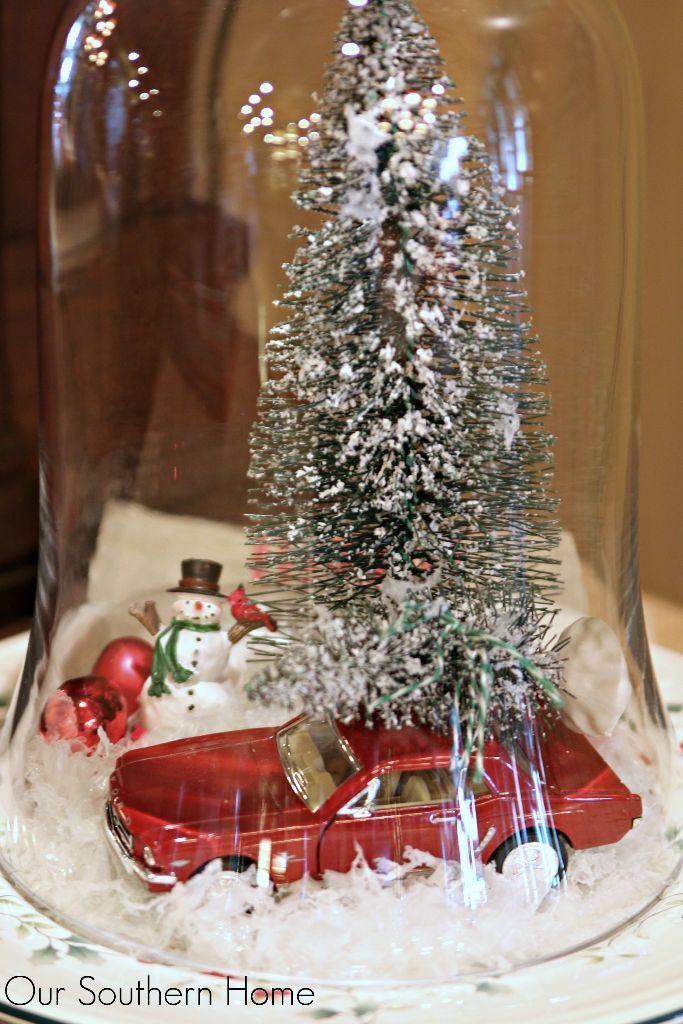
664	622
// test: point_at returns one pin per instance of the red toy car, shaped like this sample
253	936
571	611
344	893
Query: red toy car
302	798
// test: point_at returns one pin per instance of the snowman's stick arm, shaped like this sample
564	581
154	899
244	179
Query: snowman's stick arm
241	629
146	614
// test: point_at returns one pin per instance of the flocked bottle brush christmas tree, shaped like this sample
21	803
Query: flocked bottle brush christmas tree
401	465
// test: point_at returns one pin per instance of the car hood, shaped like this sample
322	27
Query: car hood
208	779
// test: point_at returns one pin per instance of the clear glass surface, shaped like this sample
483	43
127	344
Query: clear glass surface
165	227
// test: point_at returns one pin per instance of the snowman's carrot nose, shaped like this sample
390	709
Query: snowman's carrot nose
198	605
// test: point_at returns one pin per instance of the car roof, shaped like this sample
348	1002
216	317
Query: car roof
569	760
410	744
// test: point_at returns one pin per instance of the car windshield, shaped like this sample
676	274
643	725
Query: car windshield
316	759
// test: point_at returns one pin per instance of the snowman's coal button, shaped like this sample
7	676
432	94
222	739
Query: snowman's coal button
190	707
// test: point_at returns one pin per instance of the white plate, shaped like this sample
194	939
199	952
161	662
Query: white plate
633	978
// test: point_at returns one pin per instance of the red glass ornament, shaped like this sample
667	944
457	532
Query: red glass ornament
80	707
127	662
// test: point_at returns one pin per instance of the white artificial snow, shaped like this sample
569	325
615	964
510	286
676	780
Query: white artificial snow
509	419
362	205
357	926
364	137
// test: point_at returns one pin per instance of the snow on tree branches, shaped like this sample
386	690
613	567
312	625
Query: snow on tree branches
485	673
401	431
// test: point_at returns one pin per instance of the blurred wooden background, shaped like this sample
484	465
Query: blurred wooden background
657	34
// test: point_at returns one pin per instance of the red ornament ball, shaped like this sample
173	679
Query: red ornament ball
127	662
79	708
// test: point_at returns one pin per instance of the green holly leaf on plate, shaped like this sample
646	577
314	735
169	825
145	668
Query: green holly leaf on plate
85	953
46	955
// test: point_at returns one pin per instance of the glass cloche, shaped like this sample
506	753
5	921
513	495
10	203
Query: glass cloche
338	666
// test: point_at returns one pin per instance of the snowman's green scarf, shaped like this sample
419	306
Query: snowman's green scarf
165	661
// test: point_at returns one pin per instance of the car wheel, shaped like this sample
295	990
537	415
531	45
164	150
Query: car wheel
236	864
232	865
537	856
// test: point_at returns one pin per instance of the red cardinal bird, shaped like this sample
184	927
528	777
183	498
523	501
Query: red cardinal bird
244	610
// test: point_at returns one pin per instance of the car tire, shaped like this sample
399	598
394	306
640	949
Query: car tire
236	864
532	850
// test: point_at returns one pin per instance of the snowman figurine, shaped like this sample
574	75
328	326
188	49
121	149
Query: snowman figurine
191	654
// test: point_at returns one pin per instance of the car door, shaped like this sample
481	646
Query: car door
367	821
421	809
441	818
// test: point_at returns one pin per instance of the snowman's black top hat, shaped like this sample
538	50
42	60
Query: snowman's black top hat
200	576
